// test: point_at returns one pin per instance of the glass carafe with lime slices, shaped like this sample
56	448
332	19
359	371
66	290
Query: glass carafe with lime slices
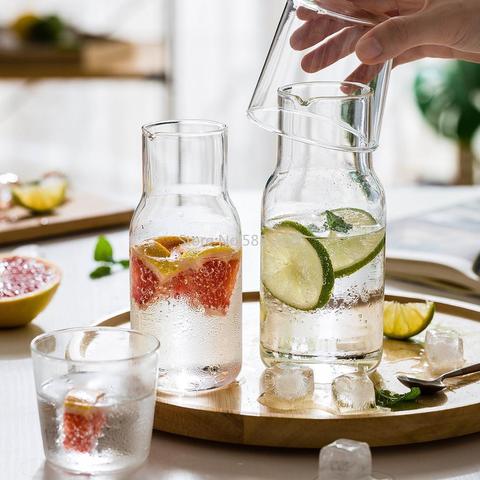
185	254
323	234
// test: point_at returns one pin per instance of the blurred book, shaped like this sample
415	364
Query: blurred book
439	249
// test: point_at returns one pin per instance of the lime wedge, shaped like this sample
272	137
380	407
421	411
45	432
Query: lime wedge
351	252
296	268
41	196
404	320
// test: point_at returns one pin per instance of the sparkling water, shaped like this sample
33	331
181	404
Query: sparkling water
346	333
110	434
198	351
188	294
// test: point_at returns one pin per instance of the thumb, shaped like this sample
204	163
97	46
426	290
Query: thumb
399	34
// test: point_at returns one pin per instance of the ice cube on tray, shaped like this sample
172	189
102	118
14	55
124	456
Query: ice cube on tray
443	350
345	460
288	385
353	392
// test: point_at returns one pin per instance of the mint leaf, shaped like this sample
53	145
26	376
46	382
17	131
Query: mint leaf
104	253
336	223
362	181
313	228
103	250
102	271
386	398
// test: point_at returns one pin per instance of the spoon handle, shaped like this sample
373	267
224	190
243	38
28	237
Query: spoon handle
462	371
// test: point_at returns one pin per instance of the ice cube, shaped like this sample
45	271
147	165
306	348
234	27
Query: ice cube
353	392
345	460
290	384
444	350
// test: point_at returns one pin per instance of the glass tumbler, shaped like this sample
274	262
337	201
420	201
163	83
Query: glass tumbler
315	41
96	397
185	251
323	235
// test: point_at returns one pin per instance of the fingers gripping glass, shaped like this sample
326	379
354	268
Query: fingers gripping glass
315	41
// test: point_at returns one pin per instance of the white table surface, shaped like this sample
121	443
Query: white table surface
81	301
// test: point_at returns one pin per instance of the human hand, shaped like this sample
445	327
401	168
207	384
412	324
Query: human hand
403	30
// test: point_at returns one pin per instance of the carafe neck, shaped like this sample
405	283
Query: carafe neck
184	157
295	155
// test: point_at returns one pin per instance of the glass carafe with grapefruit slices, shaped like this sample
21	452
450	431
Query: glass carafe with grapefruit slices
323	235
185	252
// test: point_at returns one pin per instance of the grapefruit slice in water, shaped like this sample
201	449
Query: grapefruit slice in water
204	276
27	285
83	420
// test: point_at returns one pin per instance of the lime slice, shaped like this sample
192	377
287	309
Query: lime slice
296	268
41	196
351	252
404	320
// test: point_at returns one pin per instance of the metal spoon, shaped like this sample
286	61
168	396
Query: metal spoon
429	387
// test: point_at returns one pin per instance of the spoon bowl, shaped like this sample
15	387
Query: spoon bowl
427	387
430	387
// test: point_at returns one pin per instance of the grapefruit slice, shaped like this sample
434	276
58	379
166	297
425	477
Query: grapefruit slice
210	286
204	276
144	283
83	420
27	284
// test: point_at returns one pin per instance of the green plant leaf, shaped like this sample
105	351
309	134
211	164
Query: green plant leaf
447	97
124	263
103	250
101	271
387	398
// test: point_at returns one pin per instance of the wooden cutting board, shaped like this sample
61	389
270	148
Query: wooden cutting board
81	212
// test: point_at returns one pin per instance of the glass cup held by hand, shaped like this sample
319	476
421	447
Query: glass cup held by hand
315	42
96	397
185	251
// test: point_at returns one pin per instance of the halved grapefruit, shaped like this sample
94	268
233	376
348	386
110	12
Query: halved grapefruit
27	284
204	276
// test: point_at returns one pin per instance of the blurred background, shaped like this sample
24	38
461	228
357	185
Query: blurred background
192	59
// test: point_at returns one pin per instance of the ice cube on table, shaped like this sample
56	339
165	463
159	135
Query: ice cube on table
345	460
287	383
353	392
444	350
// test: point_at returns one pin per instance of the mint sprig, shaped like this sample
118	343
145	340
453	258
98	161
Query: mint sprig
103	254
387	398
336	223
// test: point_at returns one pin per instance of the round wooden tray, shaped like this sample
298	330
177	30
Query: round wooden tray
234	415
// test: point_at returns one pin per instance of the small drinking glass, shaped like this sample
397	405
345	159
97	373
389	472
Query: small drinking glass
96	397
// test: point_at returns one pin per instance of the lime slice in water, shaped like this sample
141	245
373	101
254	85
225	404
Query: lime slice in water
404	320
351	252
296	268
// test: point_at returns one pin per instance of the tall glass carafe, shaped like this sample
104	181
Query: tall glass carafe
323	234
185	253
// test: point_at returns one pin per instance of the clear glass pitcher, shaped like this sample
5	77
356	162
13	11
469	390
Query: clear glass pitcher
185	253
323	236
315	41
